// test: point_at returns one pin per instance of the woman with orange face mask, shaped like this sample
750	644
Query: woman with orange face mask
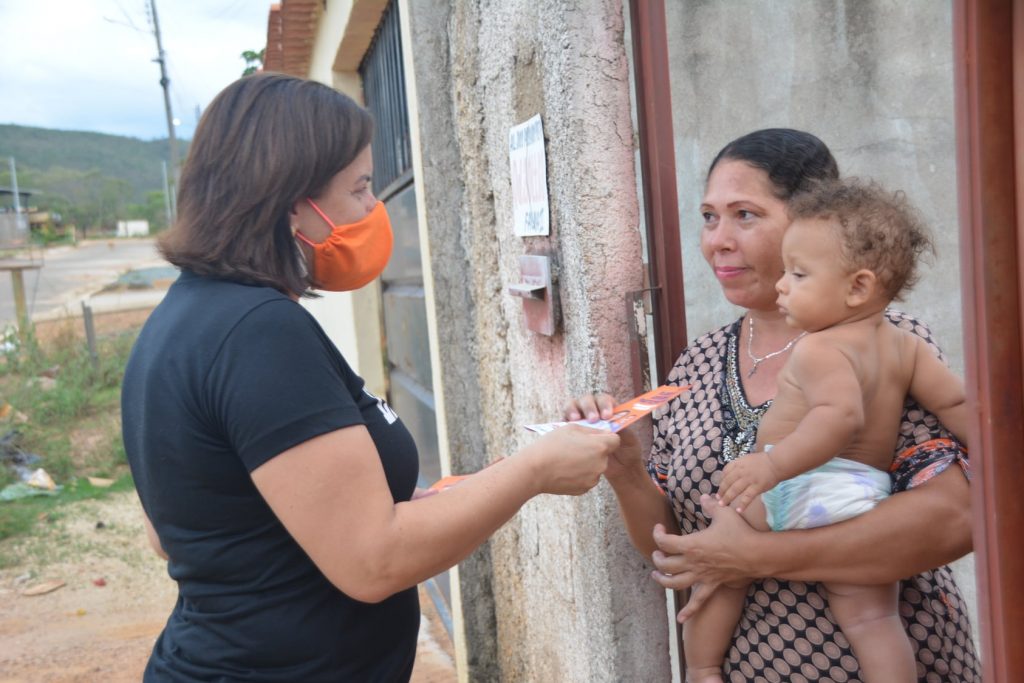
280	491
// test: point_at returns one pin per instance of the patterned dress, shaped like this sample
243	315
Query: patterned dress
787	632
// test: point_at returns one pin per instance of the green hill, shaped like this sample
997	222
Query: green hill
41	149
93	179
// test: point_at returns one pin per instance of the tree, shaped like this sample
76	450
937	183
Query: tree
88	199
253	61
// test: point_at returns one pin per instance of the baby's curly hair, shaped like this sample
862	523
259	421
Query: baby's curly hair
880	230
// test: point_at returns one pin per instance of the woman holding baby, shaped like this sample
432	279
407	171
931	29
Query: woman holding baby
786	632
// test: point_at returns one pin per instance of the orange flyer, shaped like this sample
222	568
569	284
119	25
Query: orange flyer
623	415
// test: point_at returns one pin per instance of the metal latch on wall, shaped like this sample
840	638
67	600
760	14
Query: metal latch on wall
537	291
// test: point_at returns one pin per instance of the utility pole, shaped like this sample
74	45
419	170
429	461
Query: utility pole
165	84
19	223
167	195
16	266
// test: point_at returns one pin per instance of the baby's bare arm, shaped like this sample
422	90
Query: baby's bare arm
828	414
746	478
938	389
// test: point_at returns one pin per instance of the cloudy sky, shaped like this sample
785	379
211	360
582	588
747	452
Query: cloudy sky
88	64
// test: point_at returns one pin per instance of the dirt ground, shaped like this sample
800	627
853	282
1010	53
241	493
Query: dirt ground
115	595
101	623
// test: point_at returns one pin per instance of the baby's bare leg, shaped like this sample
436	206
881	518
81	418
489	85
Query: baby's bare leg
869	619
708	633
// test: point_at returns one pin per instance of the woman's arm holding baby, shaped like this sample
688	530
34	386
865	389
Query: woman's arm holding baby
901	537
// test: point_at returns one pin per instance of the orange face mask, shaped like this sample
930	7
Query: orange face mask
353	254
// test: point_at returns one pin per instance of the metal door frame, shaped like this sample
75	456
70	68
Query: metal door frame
989	67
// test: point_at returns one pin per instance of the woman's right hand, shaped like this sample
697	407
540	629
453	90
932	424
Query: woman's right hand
719	554
571	459
627	458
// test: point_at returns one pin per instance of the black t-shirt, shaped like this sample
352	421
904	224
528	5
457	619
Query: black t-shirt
224	377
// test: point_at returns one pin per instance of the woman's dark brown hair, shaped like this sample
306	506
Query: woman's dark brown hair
793	159
266	142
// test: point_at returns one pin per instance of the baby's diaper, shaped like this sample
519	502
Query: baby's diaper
838	490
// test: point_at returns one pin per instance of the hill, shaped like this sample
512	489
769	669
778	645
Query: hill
40	151
89	180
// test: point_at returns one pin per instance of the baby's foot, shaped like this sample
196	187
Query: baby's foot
704	674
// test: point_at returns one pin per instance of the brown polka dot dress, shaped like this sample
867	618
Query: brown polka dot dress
787	633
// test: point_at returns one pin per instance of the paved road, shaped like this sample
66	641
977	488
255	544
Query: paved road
69	274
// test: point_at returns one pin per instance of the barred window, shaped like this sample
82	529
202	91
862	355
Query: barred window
383	77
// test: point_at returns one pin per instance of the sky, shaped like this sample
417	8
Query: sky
88	64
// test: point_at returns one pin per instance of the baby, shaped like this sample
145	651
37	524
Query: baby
825	445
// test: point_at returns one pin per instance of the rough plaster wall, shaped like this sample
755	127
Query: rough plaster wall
872	78
447	209
573	601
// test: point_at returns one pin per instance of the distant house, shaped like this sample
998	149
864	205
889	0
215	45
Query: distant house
13	225
135	228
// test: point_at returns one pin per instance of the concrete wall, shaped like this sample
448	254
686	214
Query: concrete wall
558	594
440	183
872	78
329	31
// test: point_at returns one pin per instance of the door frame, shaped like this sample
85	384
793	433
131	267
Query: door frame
658	178
988	58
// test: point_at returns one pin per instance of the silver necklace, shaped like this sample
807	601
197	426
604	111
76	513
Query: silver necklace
757	361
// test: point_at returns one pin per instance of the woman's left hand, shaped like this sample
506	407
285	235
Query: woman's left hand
627	460
591	407
719	554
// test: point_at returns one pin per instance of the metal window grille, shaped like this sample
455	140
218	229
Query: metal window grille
384	89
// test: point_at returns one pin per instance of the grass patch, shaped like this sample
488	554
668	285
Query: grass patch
19	517
64	406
